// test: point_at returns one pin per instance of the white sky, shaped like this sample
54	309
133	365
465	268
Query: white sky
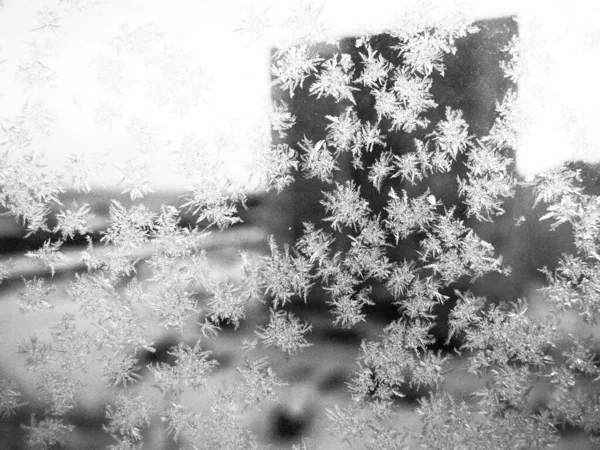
559	88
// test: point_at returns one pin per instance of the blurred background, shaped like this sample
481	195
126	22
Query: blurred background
127	80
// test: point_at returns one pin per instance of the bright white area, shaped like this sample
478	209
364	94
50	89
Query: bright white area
207	74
